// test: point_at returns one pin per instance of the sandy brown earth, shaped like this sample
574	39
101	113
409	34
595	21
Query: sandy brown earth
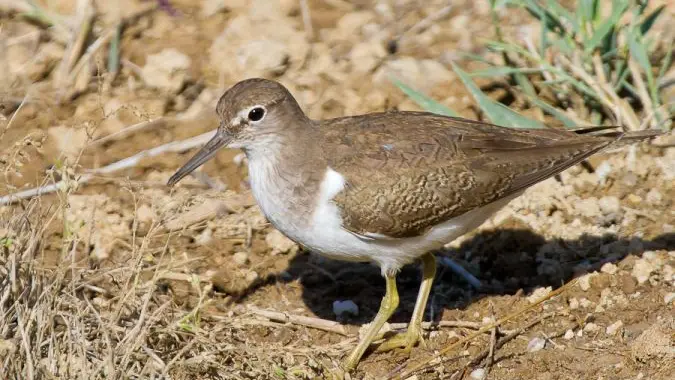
122	277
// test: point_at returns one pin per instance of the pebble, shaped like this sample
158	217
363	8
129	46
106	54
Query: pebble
641	270
574	303
585	281
205	237
240	258
536	344
668	298
614	327
609	268
590	327
478	373
609	205
585	303
345	307
252	276
569	334
539	293
654	197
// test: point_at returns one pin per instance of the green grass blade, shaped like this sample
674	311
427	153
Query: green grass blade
618	8
550	20
424	101
649	21
667	61
559	10
496	112
558	114
639	52
499	71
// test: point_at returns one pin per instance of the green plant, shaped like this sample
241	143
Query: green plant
598	66
581	68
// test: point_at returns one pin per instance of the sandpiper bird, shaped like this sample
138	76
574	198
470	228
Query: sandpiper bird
388	187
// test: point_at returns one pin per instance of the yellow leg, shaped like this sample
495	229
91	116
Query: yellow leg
387	307
409	339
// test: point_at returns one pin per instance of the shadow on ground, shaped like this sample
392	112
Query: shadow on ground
504	260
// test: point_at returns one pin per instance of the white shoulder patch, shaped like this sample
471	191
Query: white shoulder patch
333	182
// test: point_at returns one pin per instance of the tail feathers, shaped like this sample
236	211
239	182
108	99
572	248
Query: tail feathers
615	132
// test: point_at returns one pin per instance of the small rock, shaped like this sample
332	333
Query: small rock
590	327
345	307
588	207
205	237
609	205
654	197
609	268
252	276
279	243
69	141
240	258
634	199
569	334
641	270
538	294
536	344
145	214
574	303
668	298
167	70
265	57
585	281
585	303
614	327
478	374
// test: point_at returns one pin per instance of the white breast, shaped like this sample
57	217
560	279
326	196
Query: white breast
325	235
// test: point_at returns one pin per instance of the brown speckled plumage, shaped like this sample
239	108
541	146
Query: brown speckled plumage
408	171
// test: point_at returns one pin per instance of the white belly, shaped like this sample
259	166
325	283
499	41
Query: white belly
324	234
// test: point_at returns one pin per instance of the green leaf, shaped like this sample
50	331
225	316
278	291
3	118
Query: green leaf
618	7
496	112
639	53
114	52
424	101
558	114
503	46
499	71
649	21
562	12
667	61
550	20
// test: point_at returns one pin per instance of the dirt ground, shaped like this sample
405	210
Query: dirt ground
126	278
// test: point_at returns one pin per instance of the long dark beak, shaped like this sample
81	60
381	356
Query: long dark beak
221	139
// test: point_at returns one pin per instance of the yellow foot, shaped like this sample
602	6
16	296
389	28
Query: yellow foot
406	341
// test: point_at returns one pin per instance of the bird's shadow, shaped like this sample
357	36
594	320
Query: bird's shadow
504	260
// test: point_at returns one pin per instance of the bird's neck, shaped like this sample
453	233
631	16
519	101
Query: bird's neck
285	175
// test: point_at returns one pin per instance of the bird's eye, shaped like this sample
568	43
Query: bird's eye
256	114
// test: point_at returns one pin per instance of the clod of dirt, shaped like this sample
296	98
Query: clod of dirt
425	74
167	70
642	270
279	243
655	342
614	327
539	293
266	50
203	211
68	141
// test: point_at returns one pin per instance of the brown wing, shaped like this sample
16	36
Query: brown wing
408	171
